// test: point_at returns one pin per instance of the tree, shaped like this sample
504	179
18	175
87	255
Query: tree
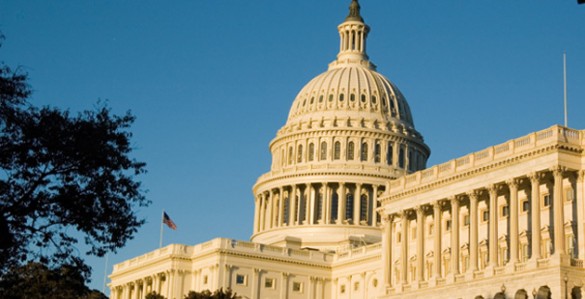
154	295
35	280
63	177
218	294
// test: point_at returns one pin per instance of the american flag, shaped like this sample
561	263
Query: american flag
167	220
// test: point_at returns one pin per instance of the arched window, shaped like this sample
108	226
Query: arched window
286	210
377	152
389	154
323	151
300	153
311	151
410	160
401	157
350	150
349	206
283	157
334	207
290	155
364	207
337	151
364	152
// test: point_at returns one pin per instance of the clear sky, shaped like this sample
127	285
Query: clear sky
211	81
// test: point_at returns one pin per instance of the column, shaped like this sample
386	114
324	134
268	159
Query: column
281	207
387	250
404	256
262	211
473	231
454	235
580	217
342	197
559	214
254	283
227	277
420	243
170	284
513	186
292	203
357	203
437	237
374	205
493	230
309	204
256	214
284	285
326	210
270	208
535	215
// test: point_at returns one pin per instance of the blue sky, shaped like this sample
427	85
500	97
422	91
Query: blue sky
211	81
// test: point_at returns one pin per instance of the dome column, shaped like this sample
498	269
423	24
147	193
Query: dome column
356	203
256	213
292	200
374	201
326	218
342	199
309	204
281	207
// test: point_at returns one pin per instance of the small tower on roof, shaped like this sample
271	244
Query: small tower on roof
353	33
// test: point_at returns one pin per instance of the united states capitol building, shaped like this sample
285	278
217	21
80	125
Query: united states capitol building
350	209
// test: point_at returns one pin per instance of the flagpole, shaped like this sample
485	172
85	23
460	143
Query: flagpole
162	215
565	86
105	275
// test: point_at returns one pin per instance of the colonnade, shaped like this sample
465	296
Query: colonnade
317	203
443	255
137	289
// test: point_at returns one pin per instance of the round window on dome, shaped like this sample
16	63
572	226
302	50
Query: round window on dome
373	99
304	102
330	98
341	97
352	97
363	98
312	100
321	99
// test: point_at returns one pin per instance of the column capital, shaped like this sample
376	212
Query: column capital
580	175
285	274
388	218
558	170
513	183
492	190
474	194
535	177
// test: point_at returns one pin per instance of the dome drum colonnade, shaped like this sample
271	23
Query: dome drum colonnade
495	213
348	132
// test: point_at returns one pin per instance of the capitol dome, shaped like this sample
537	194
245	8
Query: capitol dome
349	131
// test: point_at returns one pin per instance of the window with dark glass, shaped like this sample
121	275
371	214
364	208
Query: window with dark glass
337	150
311	151
364	152
350	150
323	150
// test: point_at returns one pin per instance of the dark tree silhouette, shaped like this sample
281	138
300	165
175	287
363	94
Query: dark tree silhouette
154	295
63	178
218	294
35	280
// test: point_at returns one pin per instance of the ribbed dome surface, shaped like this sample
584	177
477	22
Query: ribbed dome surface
351	89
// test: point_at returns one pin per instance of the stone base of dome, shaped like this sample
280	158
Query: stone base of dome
324	238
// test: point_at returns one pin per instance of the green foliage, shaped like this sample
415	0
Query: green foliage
63	178
35	280
154	295
218	294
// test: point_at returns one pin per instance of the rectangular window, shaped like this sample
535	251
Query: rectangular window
569	195
525	205
342	289
485	216
448	225
205	279
241	279
297	287
269	283
466	220
431	229
546	200
505	211
356	286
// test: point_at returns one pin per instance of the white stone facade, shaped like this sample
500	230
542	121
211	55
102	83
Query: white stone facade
349	209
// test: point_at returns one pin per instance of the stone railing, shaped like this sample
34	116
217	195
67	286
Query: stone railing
185	251
552	135
364	251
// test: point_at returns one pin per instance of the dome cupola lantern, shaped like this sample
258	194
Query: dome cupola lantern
349	131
